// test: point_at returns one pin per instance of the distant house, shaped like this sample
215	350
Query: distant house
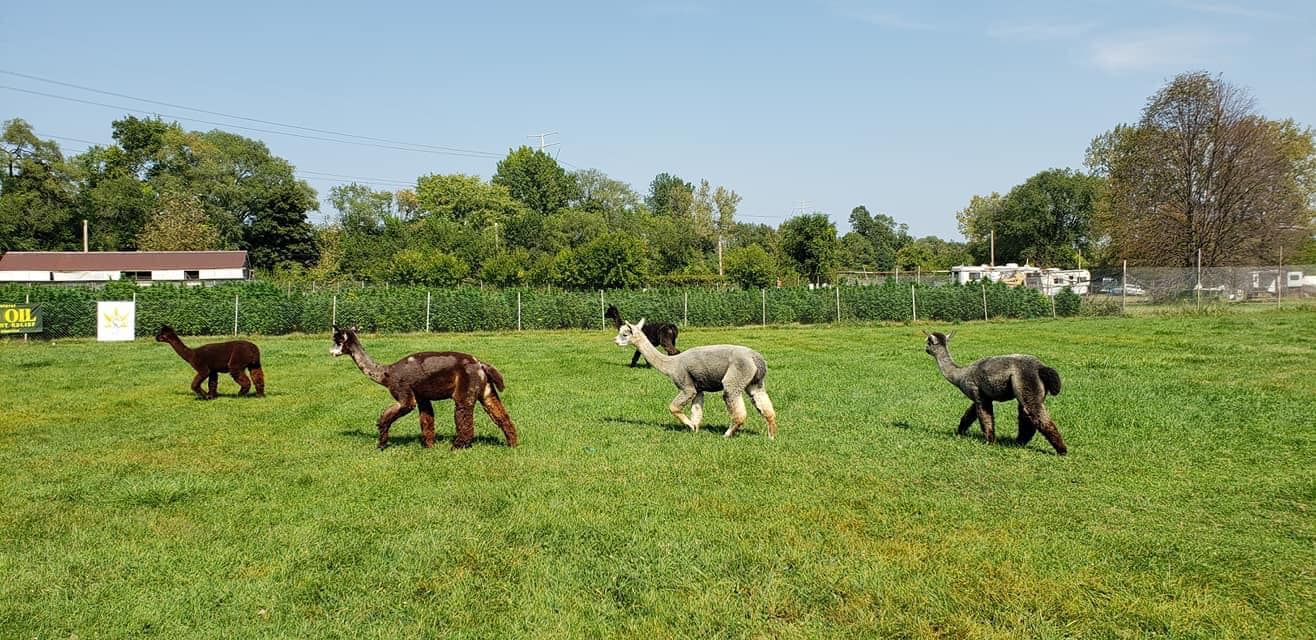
144	267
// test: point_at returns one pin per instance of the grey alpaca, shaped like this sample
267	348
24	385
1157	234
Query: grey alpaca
1000	379
728	368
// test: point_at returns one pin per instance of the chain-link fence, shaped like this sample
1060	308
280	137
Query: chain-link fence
1168	285
266	308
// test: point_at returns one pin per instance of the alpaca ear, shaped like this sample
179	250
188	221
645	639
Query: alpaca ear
640	324
925	333
949	336
354	329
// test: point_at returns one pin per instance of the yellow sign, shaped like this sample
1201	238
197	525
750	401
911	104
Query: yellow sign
20	318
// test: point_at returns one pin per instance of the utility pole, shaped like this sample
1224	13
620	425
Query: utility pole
993	234
541	137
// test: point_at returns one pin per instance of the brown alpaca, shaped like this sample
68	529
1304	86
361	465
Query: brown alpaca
235	358
420	378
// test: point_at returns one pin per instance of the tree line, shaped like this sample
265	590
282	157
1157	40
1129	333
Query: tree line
1199	171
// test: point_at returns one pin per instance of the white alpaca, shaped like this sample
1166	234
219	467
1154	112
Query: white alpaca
728	368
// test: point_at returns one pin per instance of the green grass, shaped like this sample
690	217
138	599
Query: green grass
1184	510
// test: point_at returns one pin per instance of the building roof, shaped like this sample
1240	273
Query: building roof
121	260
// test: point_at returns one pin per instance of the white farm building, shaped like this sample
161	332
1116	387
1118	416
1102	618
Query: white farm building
144	267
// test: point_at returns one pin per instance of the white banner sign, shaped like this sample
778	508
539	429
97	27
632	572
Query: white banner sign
115	320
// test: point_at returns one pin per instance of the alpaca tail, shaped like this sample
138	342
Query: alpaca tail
495	378
1051	379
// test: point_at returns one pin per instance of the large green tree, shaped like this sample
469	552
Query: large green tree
1047	220
669	195
612	261
179	223
466	199
883	234
38	196
606	195
537	180
751	267
810	241
1202	171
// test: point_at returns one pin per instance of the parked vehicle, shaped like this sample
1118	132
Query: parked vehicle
1130	289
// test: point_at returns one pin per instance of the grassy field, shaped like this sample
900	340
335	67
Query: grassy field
1186	508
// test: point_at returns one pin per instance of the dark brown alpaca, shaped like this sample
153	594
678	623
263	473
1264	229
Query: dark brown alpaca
660	334
1000	379
420	378
235	358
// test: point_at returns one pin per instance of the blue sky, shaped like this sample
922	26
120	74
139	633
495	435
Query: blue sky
909	108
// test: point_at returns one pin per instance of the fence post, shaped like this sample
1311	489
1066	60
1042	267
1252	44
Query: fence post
603	320
427	312
763	293
913	303
838	303
984	298
518	310
1281	279
1124	286
235	312
27	300
1053	306
1199	277
333	315
685	306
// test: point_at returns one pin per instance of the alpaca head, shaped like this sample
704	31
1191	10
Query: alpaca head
614	315
937	341
165	334
626	335
343	340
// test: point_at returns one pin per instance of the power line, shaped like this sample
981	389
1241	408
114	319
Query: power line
454	150
236	126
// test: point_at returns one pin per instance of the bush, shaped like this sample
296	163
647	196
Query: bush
264	308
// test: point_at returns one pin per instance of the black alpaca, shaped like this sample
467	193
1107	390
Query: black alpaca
999	379
662	334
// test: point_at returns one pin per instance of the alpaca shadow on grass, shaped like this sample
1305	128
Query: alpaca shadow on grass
706	428
232	395
974	434
402	439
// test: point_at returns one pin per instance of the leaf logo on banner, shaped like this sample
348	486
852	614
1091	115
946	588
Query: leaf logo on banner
116	319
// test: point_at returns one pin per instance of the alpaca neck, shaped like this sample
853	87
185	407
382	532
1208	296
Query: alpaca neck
660	361
181	349
367	365
949	370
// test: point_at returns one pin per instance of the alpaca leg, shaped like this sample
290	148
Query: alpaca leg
463	415
498	413
1049	430
1026	426
214	384
697	410
970	415
244	383
426	423
759	396
258	376
635	357
677	407
735	399
196	384
390	415
986	419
